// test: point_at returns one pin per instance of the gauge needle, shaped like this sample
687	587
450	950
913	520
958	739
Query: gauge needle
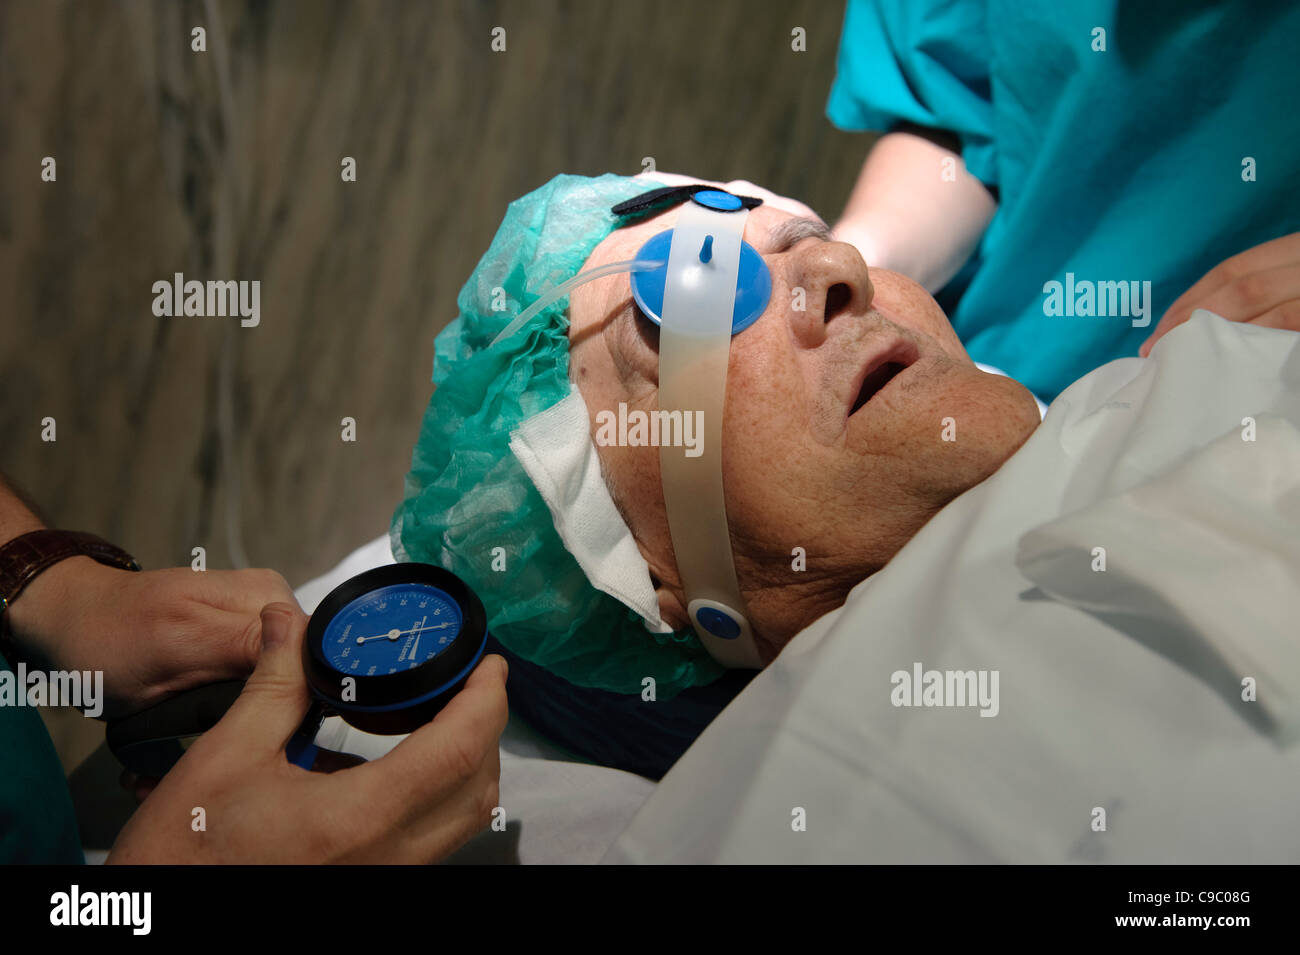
394	634
415	645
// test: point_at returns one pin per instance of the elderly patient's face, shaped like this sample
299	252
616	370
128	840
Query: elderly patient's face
834	421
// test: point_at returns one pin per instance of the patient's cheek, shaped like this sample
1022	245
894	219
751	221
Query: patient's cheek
908	304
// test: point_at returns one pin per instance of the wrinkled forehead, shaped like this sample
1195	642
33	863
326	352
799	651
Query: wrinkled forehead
624	242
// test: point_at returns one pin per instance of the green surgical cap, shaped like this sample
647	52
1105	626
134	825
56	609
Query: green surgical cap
470	507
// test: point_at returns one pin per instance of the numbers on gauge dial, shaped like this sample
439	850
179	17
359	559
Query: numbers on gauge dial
394	628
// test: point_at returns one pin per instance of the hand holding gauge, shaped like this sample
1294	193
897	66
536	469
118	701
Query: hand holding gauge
385	650
422	800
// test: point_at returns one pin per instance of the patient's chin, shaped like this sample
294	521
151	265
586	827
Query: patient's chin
961	428
1022	415
1008	415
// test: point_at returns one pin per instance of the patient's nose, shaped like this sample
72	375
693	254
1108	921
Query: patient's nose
835	285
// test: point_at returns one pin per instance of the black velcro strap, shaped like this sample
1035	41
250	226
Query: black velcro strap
671	196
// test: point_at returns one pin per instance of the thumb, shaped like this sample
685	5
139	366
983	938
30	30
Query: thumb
275	698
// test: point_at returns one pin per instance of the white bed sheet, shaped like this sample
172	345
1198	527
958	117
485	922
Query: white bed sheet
1118	690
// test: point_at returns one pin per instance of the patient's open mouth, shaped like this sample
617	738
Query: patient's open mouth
876	380
881	371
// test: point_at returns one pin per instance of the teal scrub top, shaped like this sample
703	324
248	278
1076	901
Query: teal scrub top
37	823
1128	163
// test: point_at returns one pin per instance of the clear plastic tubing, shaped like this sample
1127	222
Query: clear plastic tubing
564	288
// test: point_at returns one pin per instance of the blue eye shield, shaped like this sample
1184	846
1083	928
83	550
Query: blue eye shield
650	267
753	280
701	283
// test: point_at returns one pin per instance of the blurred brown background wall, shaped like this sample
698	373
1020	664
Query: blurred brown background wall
179	432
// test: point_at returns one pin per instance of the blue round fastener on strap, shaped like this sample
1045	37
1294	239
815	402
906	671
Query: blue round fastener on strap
717	623
717	199
753	281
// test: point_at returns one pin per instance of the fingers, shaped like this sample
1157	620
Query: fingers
1286	315
245	592
220	645
219	612
1241	289
1260	258
458	751
461	737
275	698
251	590
254	590
1168	322
459	817
1254	294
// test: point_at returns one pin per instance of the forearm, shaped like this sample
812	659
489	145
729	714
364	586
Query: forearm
17	514
908	215
151	633
34	618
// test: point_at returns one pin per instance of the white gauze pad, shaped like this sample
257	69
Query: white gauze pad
557	453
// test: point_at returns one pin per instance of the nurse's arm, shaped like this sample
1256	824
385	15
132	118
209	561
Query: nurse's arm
915	209
150	633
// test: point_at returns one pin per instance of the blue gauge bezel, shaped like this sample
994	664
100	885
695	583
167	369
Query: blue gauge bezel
408	688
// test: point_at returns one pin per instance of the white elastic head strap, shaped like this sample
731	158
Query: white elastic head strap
694	345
